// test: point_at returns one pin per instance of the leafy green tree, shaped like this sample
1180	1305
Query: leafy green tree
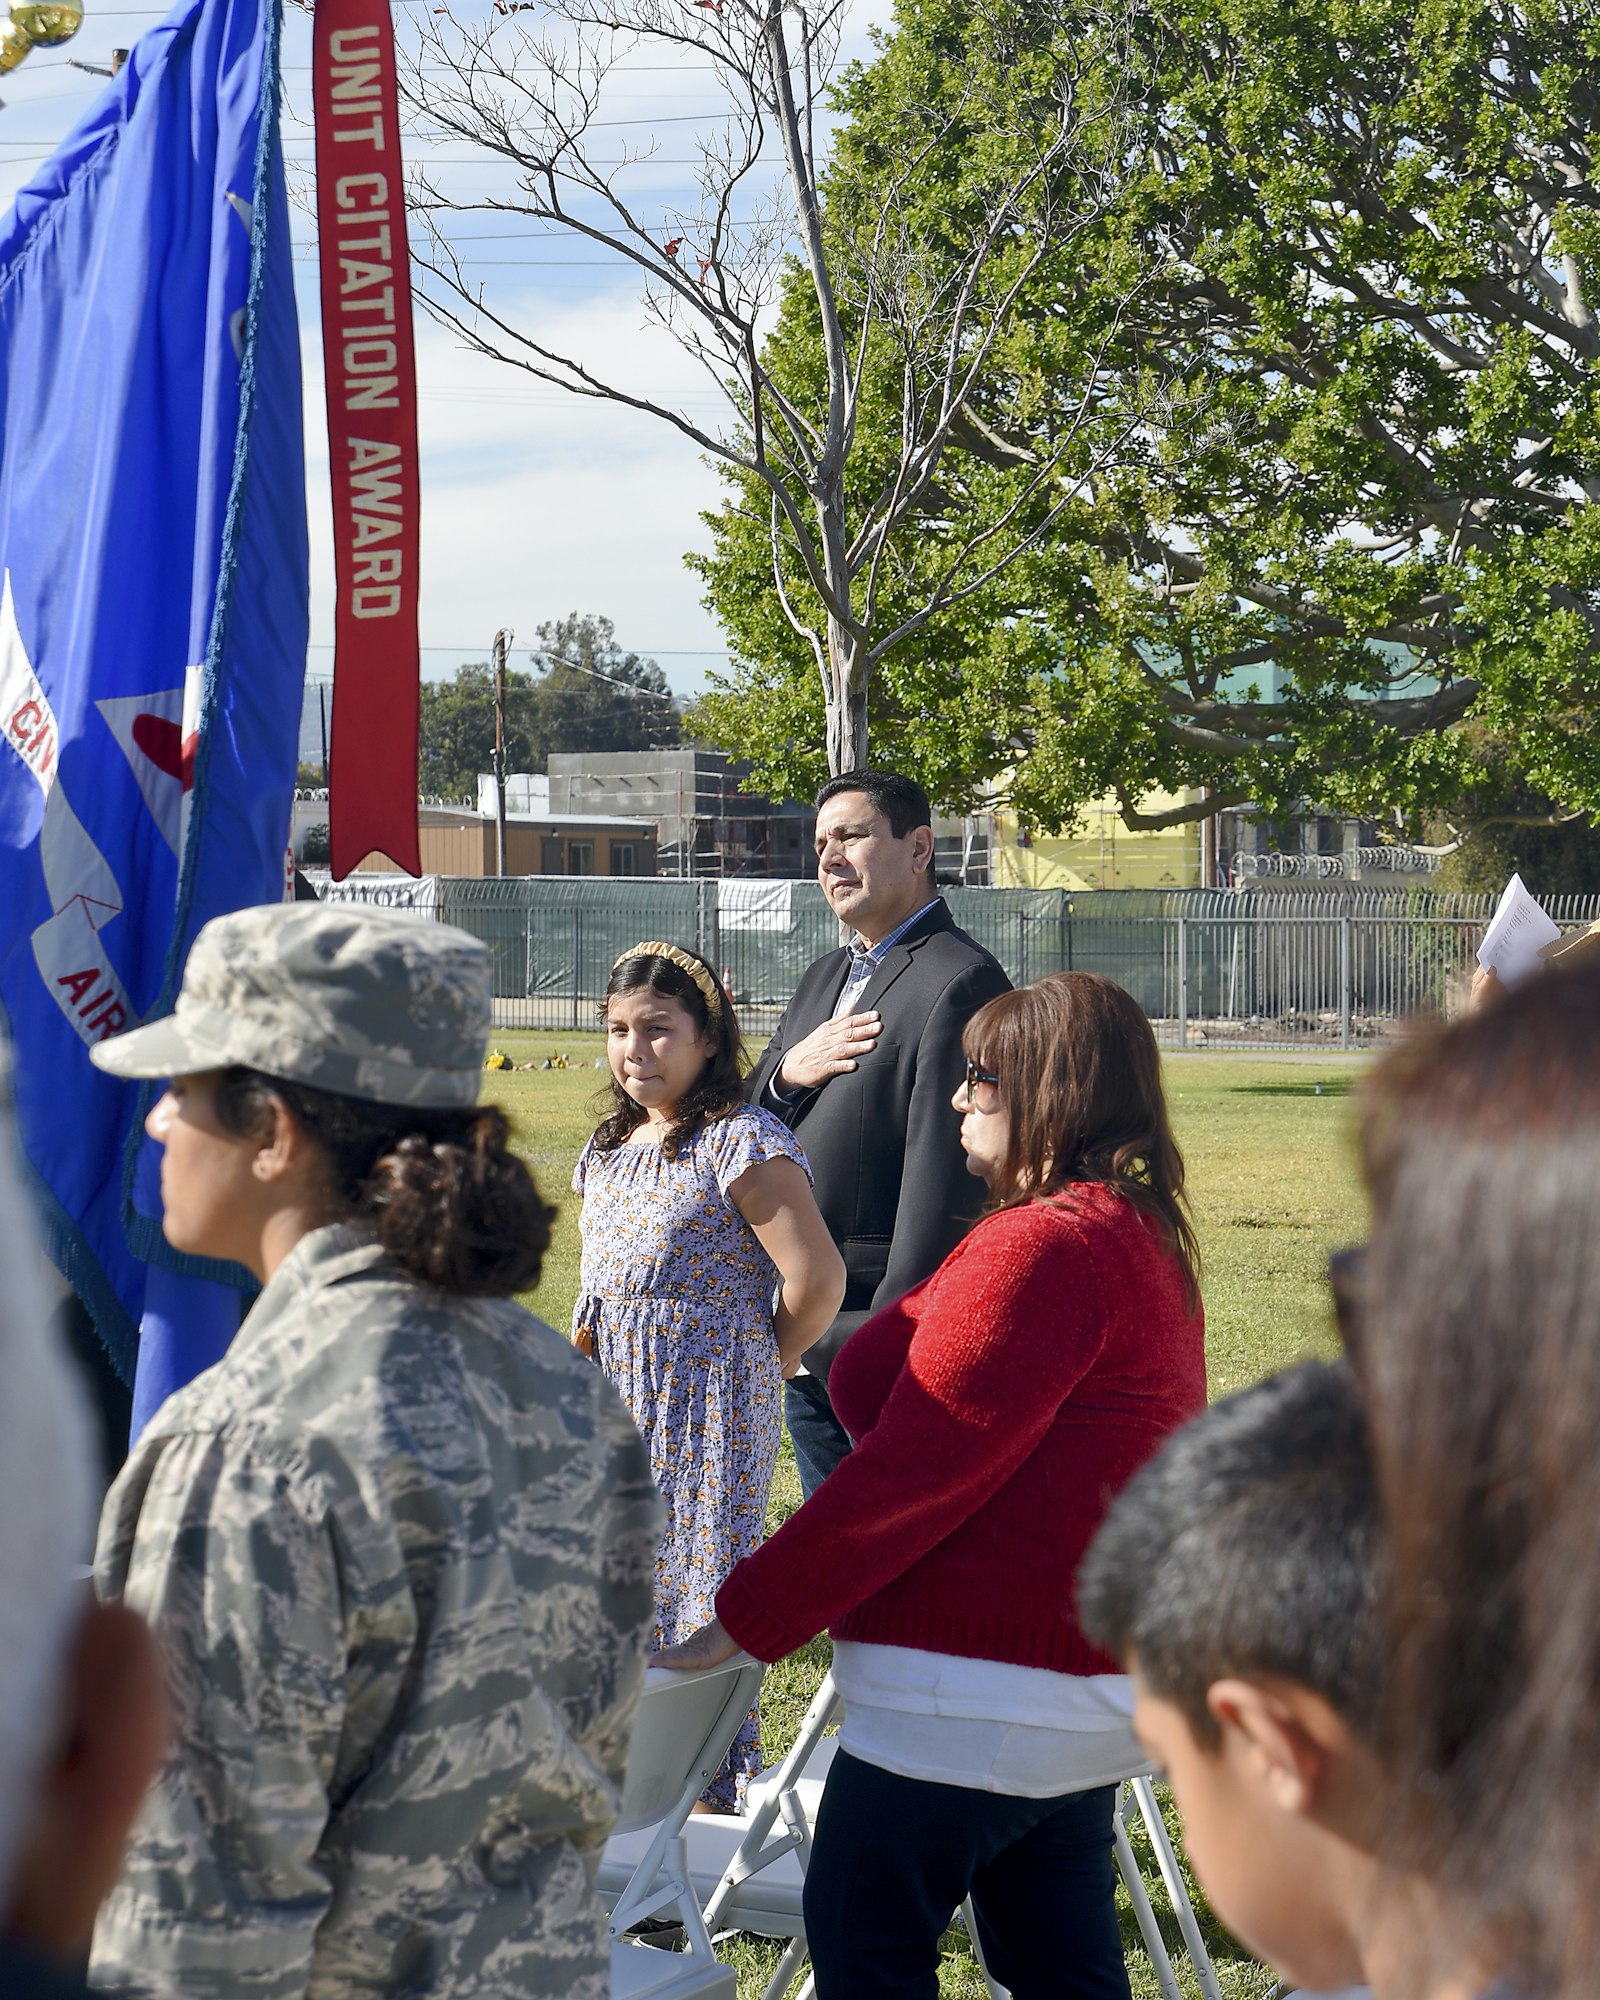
593	695
905	271
1554	858
1347	353
1503	825
455	735
589	695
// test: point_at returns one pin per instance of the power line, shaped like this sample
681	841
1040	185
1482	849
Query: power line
615	69
674	118
577	666
475	159
135	13
308	253
645	652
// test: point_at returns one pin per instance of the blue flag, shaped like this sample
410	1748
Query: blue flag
153	614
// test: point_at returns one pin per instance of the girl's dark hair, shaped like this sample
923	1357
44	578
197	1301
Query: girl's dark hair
1476	1341
719	1086
1080	1079
452	1205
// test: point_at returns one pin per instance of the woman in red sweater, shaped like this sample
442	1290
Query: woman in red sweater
996	1410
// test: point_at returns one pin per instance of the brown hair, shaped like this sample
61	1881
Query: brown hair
452	1205
1477	1345
1080	1079
719	1086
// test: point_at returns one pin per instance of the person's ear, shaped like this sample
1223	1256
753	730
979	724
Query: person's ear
114	1729
282	1151
1286	1757
921	848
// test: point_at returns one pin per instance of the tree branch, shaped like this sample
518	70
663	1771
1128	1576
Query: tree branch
1185	815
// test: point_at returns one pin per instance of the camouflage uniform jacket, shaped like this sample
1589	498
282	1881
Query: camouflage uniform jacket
400	1549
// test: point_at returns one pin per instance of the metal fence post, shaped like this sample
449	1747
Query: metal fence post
700	916
577	962
1183	982
530	981
1344	982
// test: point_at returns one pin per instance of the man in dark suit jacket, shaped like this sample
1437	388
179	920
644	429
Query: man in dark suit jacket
863	1066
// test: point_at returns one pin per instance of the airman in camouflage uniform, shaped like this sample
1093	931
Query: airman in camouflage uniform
399	1546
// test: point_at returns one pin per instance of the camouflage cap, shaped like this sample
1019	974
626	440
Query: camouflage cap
365	1002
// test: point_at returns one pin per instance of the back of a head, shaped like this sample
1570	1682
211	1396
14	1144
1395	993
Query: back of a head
1477	1343
1246	1547
46	1506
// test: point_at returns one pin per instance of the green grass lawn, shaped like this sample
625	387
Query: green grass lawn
1270	1152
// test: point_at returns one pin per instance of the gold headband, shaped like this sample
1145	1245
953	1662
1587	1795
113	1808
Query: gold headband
676	955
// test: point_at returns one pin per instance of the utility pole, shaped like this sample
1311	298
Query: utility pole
502	640
1208	846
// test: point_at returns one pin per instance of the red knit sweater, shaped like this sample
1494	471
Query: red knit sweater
996	1411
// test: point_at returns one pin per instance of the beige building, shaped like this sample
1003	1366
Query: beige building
1102	854
455	841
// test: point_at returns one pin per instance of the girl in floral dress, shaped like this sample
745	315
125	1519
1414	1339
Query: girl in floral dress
707	1272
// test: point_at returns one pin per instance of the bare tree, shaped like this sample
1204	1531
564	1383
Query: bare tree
528	88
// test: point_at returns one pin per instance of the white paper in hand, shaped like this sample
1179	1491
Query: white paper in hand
1517	935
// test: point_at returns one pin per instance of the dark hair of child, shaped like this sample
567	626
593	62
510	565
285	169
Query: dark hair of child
719	1086
1247	1547
452	1205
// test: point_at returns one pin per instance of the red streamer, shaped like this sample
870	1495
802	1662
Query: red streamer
370	370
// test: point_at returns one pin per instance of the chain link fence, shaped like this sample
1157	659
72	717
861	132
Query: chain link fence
1260	968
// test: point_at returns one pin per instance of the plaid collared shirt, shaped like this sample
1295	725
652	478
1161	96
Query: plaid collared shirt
864	962
866	958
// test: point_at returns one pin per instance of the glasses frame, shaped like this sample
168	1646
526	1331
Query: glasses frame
976	1075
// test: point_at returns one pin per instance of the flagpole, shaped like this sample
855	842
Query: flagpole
502	639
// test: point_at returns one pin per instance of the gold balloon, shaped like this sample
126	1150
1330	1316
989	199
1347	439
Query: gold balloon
47	22
14	45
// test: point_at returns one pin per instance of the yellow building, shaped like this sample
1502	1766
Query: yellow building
1102	854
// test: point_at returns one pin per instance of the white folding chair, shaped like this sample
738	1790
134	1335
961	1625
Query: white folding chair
751	1874
763	1880
685	1725
749	1870
1137	1797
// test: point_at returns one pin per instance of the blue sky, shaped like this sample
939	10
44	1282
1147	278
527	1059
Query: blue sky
534	504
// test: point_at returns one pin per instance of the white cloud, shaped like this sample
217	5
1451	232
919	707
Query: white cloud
535	503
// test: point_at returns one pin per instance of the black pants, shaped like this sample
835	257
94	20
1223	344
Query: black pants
896	1857
820	1441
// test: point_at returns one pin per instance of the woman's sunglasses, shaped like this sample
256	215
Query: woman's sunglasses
977	1075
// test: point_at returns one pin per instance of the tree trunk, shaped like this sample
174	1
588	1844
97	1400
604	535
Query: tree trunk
847	703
